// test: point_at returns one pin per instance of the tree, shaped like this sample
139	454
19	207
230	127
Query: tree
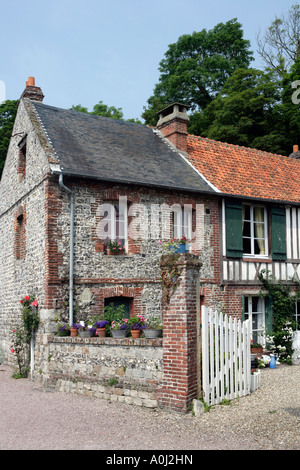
247	112
195	68
279	47
101	109
8	111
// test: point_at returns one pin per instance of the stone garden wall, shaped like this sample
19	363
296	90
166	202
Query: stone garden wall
124	370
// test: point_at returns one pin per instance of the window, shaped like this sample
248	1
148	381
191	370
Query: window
115	222
118	301
19	244
22	158
182	222
255	234
254	310
246	230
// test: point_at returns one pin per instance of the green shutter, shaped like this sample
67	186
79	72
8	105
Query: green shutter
278	233
234	229
268	316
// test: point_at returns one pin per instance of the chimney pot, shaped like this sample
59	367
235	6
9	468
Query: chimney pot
31	91
30	82
295	148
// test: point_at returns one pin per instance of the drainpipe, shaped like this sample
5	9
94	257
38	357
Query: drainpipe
71	277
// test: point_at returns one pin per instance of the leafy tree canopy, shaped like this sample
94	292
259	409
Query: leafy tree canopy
196	67
101	109
8	111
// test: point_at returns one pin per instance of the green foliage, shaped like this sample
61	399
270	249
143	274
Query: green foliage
8	111
195	68
114	312
101	109
283	308
23	334
19	347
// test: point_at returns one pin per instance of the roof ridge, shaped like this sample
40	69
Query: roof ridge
236	145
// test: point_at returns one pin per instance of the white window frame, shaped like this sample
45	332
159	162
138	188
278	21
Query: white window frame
182	222
261	320
112	221
252	237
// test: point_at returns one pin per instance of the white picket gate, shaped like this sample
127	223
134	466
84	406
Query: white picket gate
226	357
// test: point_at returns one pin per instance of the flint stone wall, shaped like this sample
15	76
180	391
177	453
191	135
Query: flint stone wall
124	370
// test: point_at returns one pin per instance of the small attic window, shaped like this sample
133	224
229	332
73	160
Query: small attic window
22	158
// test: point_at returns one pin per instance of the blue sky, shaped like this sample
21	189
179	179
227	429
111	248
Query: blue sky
84	51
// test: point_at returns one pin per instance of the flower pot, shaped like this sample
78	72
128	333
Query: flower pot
101	332
74	332
151	333
182	248
119	333
256	350
115	253
84	334
135	333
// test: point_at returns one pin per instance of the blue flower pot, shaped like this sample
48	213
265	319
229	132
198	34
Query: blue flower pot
182	248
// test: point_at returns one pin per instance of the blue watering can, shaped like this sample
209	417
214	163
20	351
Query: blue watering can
273	362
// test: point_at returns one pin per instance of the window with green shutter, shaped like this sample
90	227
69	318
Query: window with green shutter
234	229
278	233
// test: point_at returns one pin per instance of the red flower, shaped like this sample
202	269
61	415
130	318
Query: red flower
26	297
12	350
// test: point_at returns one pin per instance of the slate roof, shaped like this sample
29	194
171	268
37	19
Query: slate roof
112	150
242	171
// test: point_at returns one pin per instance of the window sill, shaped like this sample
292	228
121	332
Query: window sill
255	259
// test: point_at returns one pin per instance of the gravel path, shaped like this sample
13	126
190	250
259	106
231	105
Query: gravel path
32	418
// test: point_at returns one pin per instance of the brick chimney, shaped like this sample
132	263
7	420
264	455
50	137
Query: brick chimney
172	124
31	91
296	153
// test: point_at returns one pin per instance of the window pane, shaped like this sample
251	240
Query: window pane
247	245
246	229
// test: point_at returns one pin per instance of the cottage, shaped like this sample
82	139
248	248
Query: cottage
73	182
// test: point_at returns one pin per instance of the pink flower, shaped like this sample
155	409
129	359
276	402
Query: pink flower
34	304
120	248
12	350
13	331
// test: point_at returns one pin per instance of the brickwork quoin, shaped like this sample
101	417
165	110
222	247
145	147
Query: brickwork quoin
181	326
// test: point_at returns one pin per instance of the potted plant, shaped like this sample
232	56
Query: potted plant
116	247
256	348
177	245
83	330
136	324
92	331
101	328
153	328
119	328
74	329
63	329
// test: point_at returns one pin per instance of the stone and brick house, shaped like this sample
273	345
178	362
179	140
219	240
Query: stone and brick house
72	181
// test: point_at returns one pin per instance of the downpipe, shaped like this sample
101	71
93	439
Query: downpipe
71	276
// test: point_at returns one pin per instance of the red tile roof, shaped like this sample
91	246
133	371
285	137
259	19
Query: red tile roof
244	171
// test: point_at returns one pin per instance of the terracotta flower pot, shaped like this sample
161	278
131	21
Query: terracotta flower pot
74	332
135	333
101	332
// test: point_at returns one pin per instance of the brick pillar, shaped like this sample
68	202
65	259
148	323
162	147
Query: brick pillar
181	329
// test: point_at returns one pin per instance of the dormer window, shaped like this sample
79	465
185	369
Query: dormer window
22	158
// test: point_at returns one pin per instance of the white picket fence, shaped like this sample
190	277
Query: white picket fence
226	357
